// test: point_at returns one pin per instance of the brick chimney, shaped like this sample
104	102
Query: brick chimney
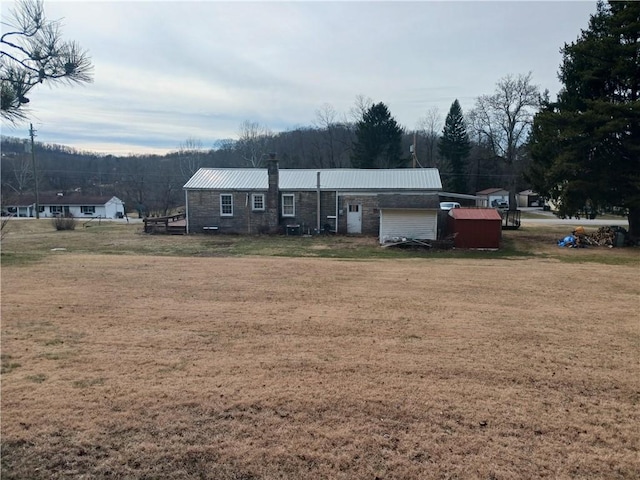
273	204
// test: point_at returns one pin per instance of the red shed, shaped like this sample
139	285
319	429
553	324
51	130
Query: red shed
475	227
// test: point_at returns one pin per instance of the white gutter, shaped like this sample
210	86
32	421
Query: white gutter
186	208
318	204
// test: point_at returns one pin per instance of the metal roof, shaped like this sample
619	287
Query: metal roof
229	179
458	195
475	214
306	179
489	191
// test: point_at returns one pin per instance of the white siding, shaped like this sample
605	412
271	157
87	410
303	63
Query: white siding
419	224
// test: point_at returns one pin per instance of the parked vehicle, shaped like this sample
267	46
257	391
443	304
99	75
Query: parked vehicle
449	205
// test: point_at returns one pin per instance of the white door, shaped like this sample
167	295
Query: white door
354	218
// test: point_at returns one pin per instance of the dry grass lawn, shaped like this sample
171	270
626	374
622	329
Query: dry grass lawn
153	367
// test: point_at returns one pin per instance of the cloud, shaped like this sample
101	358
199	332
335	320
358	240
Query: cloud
166	71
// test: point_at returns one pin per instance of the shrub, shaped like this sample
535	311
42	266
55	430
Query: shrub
66	222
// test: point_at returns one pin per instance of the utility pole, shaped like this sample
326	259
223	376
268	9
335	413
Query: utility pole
414	155
32	134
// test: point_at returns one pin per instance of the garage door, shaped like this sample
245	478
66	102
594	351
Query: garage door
420	224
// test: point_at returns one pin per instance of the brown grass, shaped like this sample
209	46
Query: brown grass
264	368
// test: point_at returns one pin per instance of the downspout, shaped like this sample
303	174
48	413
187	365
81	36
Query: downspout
186	209
246	207
318	204
336	211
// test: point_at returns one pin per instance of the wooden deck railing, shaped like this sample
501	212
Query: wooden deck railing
168	224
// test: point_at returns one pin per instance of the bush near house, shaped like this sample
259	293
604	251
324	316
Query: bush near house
64	222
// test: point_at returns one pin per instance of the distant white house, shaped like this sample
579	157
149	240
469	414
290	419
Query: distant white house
57	204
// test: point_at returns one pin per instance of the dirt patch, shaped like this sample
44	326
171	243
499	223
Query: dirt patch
264	368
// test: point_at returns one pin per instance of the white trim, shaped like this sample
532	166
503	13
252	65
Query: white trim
222	214
254	196
293	205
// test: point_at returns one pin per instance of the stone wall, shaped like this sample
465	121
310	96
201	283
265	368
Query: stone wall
204	211
370	213
306	211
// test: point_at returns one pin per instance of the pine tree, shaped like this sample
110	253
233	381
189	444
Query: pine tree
586	146
454	147
378	140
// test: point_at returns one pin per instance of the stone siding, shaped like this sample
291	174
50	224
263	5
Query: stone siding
370	213
306	211
204	211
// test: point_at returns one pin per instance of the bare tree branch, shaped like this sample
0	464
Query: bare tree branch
33	52
253	143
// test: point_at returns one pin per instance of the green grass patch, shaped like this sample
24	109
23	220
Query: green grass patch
6	365
32	241
19	259
178	366
57	355
38	378
88	382
603	258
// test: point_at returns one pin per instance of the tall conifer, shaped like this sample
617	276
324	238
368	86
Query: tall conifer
454	147
378	140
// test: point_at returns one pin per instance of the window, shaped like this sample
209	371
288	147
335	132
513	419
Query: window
226	205
257	201
59	210
288	205
87	210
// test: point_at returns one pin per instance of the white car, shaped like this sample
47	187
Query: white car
449	205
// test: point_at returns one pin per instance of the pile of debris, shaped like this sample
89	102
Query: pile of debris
608	237
603	237
420	244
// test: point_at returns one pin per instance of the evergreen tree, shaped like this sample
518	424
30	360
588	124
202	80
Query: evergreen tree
586	146
454	147
378	140
32	52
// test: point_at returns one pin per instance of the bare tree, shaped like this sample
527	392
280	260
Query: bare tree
17	171
502	121
33	53
428	127
334	140
253	143
191	154
360	106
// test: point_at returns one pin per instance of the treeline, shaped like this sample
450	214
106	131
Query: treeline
153	184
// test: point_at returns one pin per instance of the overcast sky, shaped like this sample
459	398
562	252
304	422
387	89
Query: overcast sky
166	71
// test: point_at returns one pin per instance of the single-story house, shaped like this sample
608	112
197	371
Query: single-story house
476	227
384	202
491	197
56	204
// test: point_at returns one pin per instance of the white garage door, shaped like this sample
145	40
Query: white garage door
420	224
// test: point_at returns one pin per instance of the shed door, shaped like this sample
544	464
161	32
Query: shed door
354	218
411	223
